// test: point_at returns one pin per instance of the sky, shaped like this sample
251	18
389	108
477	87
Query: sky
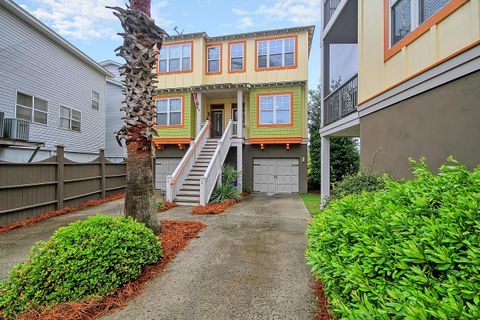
92	28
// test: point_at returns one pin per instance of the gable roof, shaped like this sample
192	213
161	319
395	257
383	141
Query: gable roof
26	17
237	36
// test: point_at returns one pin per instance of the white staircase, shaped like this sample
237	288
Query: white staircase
195	177
189	193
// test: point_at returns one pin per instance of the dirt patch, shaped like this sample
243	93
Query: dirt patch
51	214
322	313
175	236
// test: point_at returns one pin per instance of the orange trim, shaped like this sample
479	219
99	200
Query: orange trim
182	125
244	57
181	71
290	140
420	30
276	68
188	159
456	53
274	124
220	45
163	141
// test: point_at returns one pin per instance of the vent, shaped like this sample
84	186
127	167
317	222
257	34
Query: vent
2	115
16	129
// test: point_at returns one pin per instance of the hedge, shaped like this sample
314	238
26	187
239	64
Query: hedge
410	251
88	258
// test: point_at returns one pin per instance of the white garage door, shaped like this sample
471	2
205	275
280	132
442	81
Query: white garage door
163	168
275	175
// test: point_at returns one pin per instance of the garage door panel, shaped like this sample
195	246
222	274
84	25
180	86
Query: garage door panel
276	175
163	168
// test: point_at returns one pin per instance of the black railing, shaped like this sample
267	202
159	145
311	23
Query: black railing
342	101
329	8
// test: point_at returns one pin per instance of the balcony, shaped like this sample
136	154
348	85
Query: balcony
329	8
342	101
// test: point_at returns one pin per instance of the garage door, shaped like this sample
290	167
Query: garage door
163	168
275	175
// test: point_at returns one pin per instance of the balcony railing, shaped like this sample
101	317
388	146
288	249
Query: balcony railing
342	101
329	8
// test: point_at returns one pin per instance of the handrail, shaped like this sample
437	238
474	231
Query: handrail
173	182
341	102
340	87
207	181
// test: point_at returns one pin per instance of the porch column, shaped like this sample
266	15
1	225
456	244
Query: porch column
199	113
239	114
240	166
325	169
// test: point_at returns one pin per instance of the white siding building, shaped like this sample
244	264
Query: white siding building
54	86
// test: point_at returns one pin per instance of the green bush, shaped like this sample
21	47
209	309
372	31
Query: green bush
410	251
227	191
88	258
356	184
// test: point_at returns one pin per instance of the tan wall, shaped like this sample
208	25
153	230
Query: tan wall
436	124
455	32
199	76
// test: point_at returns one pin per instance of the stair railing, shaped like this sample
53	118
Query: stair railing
209	179
178	177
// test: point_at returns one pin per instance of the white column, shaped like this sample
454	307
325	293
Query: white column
325	169
239	114
240	166
199	113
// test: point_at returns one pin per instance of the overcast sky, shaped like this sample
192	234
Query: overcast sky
92	28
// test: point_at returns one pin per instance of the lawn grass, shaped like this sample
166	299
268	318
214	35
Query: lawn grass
312	202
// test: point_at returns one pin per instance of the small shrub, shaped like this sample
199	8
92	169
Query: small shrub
229	175
160	205
356	184
88	258
410	251
225	192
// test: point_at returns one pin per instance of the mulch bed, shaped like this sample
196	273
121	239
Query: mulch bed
175	236
322	313
213	208
167	206
29	221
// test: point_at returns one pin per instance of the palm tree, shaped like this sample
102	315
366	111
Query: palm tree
142	40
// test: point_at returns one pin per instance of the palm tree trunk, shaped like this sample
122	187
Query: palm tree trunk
142	39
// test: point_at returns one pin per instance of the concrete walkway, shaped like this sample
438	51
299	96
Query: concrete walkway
15	245
248	264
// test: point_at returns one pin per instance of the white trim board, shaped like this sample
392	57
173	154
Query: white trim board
457	67
344	123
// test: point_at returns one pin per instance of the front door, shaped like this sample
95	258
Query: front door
217	123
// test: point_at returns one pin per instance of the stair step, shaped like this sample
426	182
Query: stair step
187	204
191	182
195	199
189	193
190	188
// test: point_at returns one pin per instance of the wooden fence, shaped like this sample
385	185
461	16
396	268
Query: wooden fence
30	189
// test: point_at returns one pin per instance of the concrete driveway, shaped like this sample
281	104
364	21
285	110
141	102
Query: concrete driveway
248	264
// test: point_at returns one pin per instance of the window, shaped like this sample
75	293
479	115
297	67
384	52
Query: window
169	111
237	57
407	15
275	109
31	108
429	7
70	119
95	100
175	58
276	53
214	59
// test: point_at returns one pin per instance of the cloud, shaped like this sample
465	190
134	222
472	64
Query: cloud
245	23
87	19
298	12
